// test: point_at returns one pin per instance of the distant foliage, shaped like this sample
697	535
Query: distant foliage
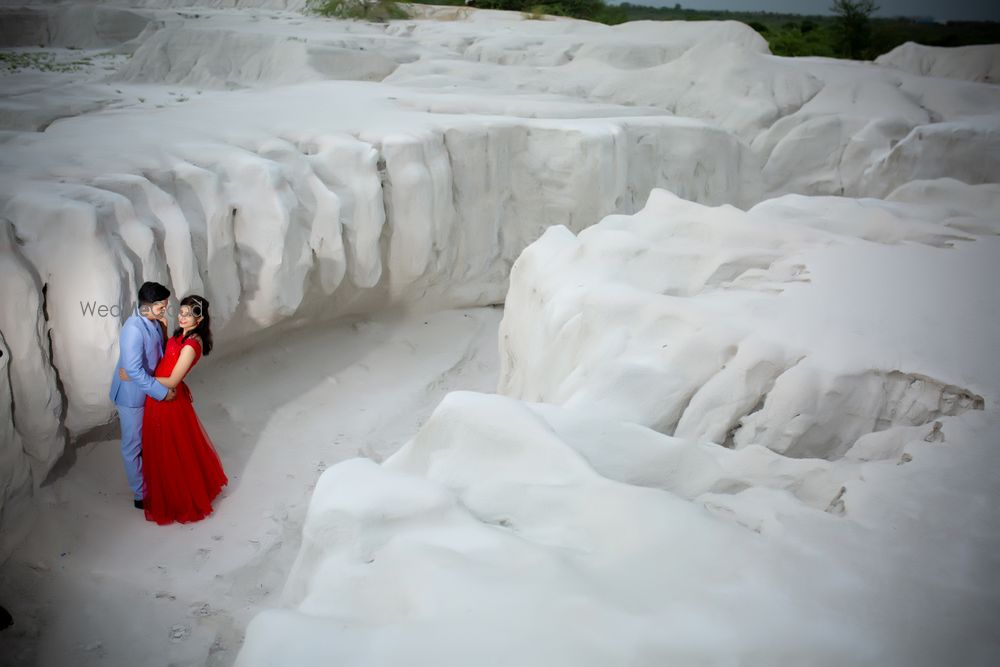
589	10
801	40
795	35
365	10
786	34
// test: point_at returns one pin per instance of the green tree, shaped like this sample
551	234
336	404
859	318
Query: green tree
853	25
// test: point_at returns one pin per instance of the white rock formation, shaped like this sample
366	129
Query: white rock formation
32	379
562	532
265	223
972	63
271	204
190	52
705	323
944	150
81	25
15	472
543	536
295	169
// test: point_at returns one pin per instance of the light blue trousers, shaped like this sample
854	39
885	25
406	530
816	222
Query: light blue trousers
131	422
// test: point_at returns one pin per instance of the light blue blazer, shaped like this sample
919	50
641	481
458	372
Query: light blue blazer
140	348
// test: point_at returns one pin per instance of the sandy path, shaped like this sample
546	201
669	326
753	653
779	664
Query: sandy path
95	584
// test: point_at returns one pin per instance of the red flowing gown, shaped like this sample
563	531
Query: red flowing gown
181	469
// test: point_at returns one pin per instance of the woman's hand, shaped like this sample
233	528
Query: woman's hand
123	375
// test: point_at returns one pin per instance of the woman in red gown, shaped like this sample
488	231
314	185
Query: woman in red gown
182	472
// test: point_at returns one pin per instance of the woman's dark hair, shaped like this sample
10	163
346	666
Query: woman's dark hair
152	292
199	308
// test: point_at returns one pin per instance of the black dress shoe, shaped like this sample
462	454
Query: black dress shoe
137	504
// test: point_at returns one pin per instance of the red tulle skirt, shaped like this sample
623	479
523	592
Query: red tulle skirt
181	469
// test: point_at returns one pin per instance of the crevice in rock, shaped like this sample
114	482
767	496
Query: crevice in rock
826	425
729	441
836	505
237	253
68	456
386	186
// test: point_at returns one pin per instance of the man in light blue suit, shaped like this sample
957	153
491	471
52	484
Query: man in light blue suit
140	348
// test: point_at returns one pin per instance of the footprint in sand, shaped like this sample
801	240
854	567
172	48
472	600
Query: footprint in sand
202	610
179	632
96	647
200	557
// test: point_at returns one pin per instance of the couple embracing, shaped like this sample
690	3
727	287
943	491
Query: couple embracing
169	460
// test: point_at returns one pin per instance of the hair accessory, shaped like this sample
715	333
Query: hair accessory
199	304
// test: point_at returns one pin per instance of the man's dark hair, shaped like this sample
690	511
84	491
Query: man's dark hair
152	292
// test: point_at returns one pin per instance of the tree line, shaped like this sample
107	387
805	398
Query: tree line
849	31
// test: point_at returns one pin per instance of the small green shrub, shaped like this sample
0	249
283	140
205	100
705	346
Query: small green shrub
365	10
536	13
44	61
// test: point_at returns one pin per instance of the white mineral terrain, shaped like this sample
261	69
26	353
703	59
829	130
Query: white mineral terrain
539	342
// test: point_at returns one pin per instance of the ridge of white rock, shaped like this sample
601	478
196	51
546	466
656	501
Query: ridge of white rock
254	53
79	25
27	335
817	124
548	536
729	339
971	63
946	151
15	470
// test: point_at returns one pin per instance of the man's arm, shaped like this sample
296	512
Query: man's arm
131	345
181	368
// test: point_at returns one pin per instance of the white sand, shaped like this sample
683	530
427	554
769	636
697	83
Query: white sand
95	584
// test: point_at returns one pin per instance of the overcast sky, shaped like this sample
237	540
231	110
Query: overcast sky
942	10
